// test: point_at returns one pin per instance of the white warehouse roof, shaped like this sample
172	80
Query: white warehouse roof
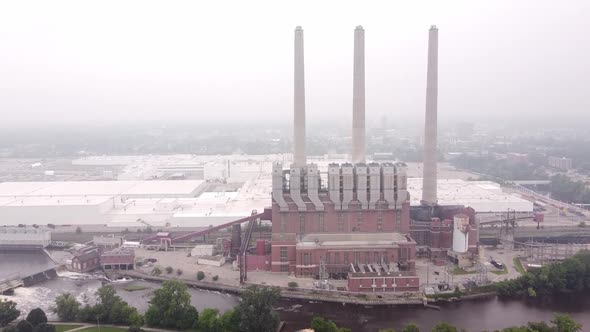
482	196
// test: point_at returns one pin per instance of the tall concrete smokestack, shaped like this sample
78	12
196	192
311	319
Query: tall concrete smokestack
299	157
358	97
430	127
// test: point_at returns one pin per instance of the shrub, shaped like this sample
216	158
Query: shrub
178	272
292	285
24	326
200	275
215	277
37	316
156	271
169	269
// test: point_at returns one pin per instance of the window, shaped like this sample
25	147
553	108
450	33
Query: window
306	259
367	257
340	221
379	220
398	217
283	254
357	257
283	223
328	256
321	219
337	258
376	257
284	268
301	223
346	261
359	218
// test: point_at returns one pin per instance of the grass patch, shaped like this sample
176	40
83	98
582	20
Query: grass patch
63	328
133	288
104	329
518	265
503	271
459	270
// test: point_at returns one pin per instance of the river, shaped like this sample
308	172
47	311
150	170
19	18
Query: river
476	315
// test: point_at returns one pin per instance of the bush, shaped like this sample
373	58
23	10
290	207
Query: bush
24	326
215	277
178	272
44	327
200	275
156	271
37	316
169	269
8	312
292	285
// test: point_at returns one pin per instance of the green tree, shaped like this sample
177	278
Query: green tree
24	326
444	327
66	307
8	312
320	324
170	307
110	308
230	322
255	312
387	330
156	271
411	327
564	323
169	269
37	316
209	321
200	275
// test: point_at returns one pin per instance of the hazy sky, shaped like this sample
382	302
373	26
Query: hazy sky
119	61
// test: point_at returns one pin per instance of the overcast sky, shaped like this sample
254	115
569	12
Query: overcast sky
70	62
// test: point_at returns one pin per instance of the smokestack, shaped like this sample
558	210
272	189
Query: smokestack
430	126
358	97
299	157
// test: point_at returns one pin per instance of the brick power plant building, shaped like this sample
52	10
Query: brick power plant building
357	225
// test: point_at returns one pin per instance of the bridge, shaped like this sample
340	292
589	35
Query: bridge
10	282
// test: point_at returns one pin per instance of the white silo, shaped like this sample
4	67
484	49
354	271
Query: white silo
460	233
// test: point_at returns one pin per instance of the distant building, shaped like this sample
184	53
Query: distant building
24	238
118	260
86	261
108	242
517	157
562	163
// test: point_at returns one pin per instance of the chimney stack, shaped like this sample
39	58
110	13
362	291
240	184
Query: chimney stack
430	127
299	157
358	97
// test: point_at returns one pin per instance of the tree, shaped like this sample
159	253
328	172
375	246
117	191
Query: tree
169	269
564	323
230	321
411	327
110	308
320	324
200	275
178	272
8	312
444	327
387	330
66	307
256	313
156	271
37	316
215	277
170	307
24	326
209	320
292	285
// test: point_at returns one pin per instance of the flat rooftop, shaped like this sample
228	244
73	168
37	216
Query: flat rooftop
482	196
360	240
100	188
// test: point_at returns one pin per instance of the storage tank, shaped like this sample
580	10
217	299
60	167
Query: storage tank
460	233
260	247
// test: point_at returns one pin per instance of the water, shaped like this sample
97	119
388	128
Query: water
470	315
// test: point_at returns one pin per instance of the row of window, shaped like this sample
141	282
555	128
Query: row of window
322	223
345	257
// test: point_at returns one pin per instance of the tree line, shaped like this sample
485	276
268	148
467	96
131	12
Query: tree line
571	275
36	320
